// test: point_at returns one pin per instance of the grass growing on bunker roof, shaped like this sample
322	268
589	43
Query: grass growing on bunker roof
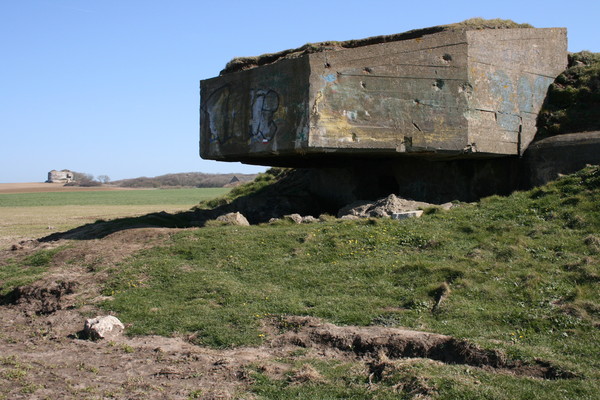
573	99
244	63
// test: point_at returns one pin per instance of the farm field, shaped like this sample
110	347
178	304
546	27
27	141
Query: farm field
33	210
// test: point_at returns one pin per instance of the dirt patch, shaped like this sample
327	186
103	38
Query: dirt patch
395	343
54	362
41	298
41	187
93	252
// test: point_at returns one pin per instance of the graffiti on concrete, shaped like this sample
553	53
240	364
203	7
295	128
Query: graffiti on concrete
216	110
264	105
223	120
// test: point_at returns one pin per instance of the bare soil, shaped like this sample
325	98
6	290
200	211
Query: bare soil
42	354
37	187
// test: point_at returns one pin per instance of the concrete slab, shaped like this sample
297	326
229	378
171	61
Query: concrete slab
462	93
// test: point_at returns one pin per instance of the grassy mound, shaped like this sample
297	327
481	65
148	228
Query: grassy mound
273	194
515	277
261	181
573	99
519	274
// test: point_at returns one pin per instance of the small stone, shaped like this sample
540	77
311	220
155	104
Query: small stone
103	327
234	218
309	219
447	206
297	218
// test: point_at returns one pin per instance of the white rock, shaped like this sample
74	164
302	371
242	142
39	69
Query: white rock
234	218
297	218
103	327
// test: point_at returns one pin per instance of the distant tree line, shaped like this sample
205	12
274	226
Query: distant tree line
186	179
88	180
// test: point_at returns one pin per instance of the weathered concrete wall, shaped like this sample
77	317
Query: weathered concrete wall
450	93
255	113
440	181
392	97
510	72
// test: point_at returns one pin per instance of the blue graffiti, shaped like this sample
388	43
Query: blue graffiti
502	86
330	78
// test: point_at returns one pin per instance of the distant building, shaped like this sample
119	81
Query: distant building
63	176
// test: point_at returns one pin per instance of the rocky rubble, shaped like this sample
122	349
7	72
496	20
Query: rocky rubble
391	206
388	207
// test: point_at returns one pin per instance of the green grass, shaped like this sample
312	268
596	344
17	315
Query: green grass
409	379
112	197
261	181
528	250
15	273
523	273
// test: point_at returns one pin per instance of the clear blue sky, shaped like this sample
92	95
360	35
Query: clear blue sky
110	87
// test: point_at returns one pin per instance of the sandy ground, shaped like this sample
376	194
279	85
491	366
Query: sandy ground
33	187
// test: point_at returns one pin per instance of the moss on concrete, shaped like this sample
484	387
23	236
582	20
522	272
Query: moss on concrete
244	63
573	99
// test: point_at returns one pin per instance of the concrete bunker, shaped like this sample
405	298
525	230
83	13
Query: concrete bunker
436	114
444	93
62	176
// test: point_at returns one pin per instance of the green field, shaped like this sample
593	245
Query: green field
34	215
112	197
